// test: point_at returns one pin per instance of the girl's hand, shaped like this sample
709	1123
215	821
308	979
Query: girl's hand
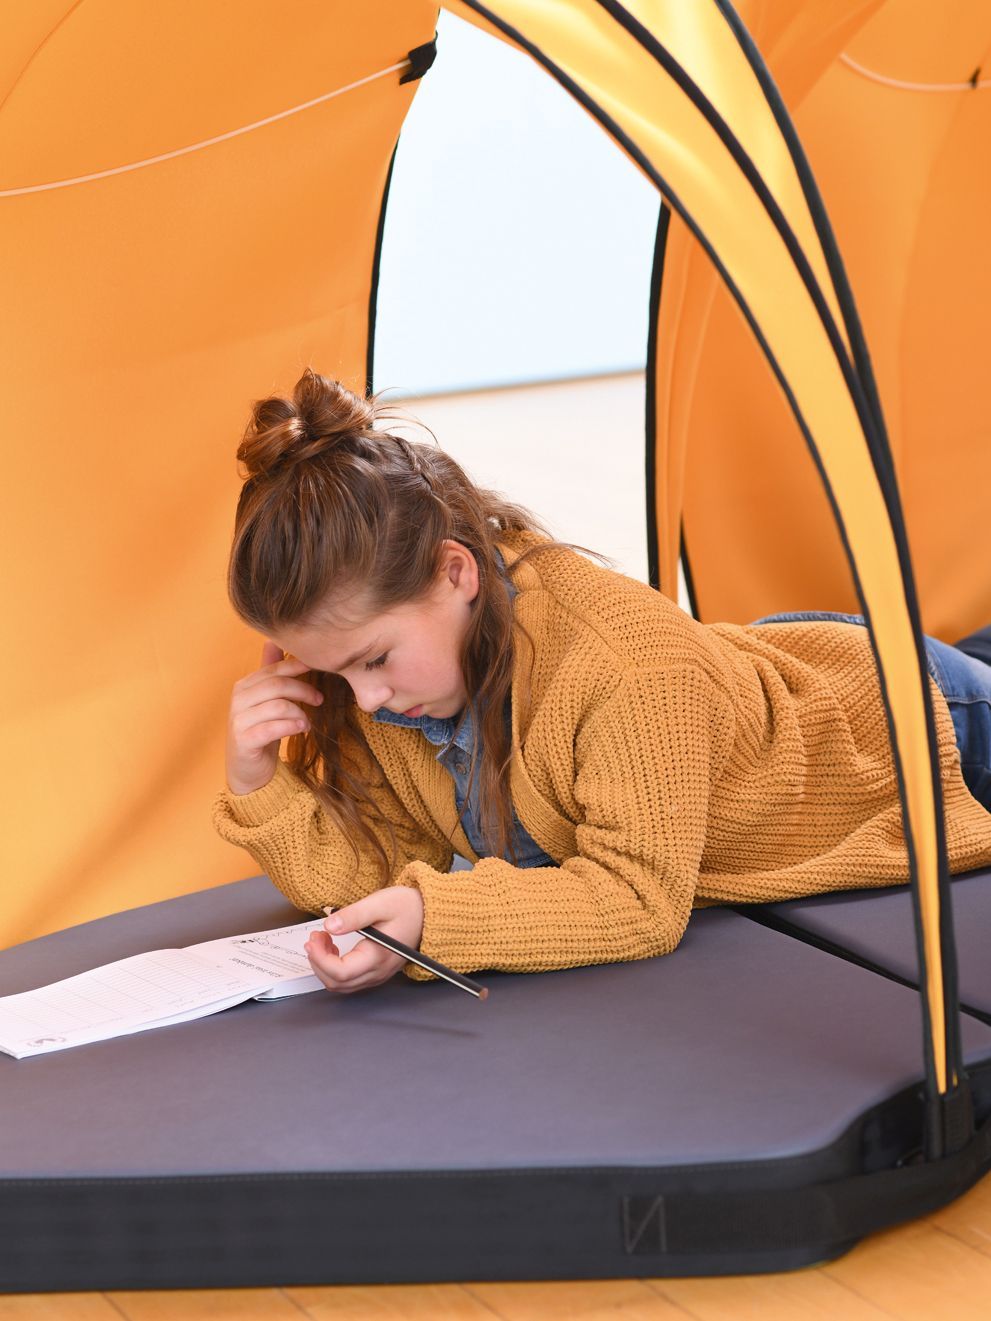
397	911
262	714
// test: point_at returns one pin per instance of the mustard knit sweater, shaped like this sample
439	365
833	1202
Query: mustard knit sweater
663	763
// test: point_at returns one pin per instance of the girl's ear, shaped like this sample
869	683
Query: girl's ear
461	568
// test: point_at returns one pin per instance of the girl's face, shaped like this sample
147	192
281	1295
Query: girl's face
407	659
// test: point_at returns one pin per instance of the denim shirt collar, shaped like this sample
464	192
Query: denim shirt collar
441	731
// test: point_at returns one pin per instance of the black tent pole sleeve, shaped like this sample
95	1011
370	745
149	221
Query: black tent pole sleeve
650	430
374	290
650	402
420	59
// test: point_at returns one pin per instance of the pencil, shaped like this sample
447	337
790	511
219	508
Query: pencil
423	960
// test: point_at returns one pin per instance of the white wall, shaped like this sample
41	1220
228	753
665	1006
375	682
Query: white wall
517	252
519	239
572	451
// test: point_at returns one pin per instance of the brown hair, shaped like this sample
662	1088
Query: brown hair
330	500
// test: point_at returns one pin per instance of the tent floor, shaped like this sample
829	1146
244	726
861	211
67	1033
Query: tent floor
708	1112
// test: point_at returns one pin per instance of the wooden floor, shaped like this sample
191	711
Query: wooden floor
933	1268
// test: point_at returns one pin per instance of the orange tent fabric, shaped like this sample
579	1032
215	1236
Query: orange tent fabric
895	126
142	312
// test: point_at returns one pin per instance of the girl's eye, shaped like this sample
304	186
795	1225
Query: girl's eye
374	664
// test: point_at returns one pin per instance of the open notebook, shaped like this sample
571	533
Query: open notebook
161	987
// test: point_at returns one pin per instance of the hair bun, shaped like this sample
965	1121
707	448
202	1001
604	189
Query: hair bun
321	413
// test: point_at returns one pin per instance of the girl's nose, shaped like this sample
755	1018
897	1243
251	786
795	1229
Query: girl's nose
371	696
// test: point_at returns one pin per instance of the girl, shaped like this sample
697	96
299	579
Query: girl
452	679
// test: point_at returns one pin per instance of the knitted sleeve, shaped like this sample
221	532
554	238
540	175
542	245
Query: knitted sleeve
645	761
285	829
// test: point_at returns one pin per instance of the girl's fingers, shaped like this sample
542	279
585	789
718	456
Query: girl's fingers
270	731
280	686
254	705
276	677
366	964
272	708
319	944
257	729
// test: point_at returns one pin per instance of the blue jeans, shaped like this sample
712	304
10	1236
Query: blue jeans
963	680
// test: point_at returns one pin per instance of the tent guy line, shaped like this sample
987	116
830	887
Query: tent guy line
209	142
969	86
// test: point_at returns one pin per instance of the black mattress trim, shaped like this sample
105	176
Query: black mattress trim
522	1224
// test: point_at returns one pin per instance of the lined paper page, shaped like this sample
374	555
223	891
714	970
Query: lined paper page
120	997
162	987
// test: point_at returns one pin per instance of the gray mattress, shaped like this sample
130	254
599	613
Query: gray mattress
730	1062
876	927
